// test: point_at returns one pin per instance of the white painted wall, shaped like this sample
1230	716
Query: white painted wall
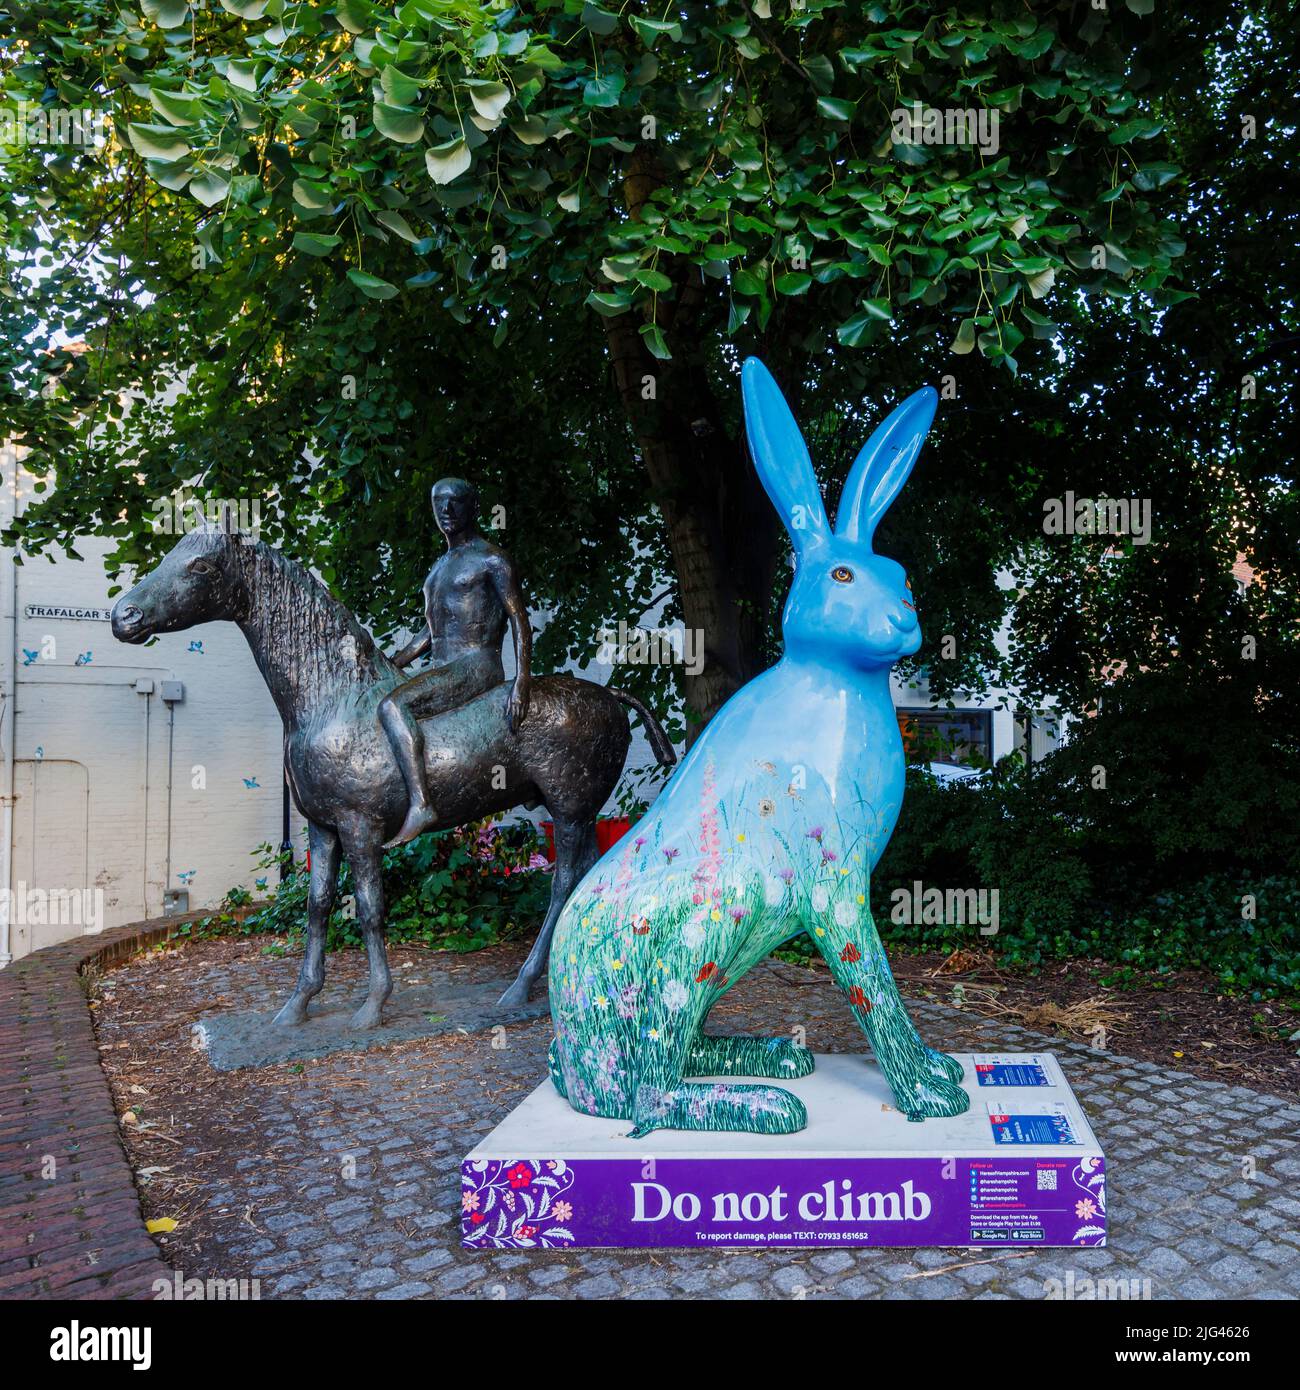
91	770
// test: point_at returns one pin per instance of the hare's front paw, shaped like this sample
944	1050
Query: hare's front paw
942	1067
935	1099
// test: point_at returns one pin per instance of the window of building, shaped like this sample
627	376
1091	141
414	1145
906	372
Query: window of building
947	735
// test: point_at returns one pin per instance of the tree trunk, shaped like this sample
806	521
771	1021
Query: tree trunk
722	530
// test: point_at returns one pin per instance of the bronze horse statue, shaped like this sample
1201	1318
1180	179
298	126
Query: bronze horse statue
327	679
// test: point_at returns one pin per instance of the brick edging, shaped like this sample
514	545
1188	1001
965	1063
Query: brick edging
79	1233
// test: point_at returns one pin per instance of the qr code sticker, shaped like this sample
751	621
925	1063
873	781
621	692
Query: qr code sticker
1047	1179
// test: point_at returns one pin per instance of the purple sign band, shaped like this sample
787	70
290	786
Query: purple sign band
1002	1200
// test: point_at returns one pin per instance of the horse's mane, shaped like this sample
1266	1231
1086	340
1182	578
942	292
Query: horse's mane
300	625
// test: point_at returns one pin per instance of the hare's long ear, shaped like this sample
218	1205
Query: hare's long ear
781	456
883	466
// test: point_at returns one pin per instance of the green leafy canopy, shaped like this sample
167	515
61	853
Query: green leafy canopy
607	155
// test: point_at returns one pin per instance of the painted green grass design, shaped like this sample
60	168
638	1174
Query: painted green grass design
641	957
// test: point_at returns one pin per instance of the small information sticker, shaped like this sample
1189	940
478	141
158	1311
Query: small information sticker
1032	1124
1012	1071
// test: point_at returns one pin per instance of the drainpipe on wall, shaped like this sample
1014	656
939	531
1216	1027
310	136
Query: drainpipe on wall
171	748
144	685
173	693
8	699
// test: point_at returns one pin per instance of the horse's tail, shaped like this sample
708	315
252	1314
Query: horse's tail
665	755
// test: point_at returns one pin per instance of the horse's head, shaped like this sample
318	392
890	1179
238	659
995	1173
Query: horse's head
199	581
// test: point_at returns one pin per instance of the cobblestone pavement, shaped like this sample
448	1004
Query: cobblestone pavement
339	1178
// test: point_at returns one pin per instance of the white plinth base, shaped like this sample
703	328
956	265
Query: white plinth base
1021	1167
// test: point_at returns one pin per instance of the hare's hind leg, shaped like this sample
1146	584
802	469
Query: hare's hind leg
777	1057
924	1082
664	1101
746	1056
553	1067
717	1106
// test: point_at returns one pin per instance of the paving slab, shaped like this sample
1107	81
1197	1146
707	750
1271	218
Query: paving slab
235	1039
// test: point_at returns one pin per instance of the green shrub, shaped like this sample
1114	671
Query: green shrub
458	889
1070	886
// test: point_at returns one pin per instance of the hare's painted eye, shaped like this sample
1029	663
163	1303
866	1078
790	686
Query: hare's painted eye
841	575
199	567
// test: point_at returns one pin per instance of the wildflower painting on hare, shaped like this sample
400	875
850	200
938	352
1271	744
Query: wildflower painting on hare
770	827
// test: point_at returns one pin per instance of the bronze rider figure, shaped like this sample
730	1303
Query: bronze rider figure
471	593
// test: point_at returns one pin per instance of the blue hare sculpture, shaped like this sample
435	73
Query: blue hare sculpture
770	827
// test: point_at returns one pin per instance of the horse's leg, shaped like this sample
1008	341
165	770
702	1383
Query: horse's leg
324	844
575	853
361	844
